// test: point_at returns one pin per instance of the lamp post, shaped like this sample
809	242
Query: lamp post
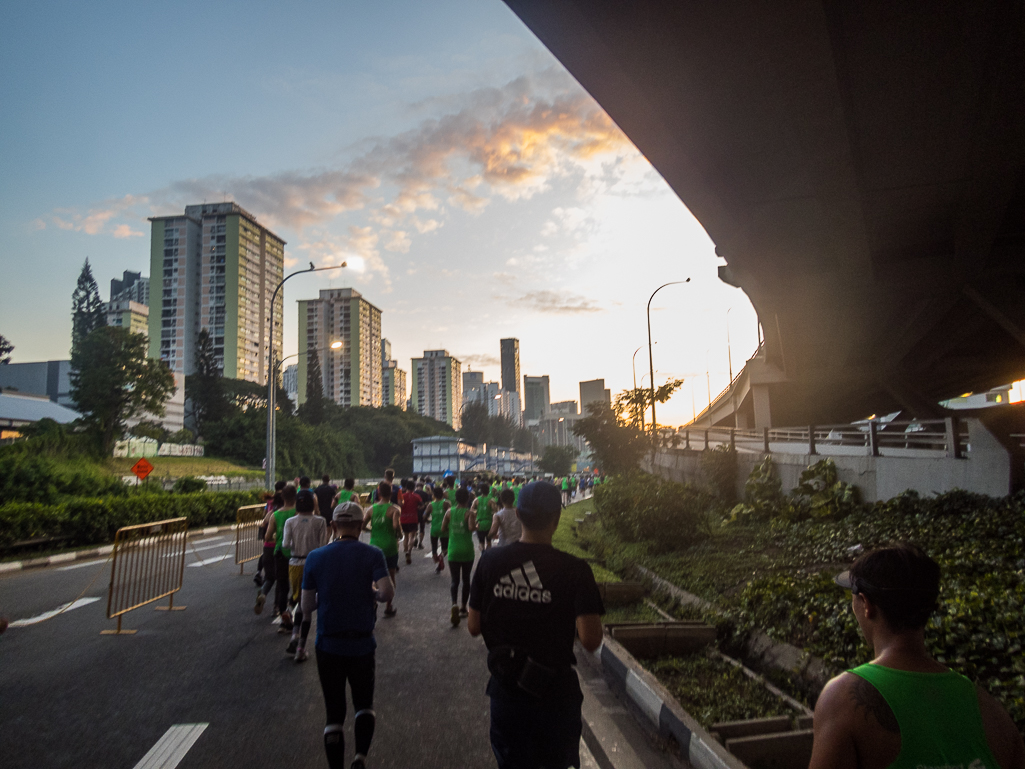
651	363
272	376
633	362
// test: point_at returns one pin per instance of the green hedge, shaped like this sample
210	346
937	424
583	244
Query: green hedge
94	520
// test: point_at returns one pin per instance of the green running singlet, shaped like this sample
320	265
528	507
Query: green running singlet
938	715
280	516
437	517
344	496
450	495
484	513
516	493
382	532
460	539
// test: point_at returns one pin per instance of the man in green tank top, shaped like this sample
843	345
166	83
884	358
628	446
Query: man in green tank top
484	510
904	709
382	518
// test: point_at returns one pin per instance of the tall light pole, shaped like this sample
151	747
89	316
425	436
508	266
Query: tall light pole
272	377
651	362
640	407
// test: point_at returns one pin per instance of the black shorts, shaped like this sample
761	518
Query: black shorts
409	528
530	732
435	541
482	536
392	562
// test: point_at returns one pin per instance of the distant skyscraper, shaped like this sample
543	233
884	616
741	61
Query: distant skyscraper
535	396
385	351
393	385
132	287
436	388
511	365
290	383
594	391
128	314
471	381
351	375
498	401
216	268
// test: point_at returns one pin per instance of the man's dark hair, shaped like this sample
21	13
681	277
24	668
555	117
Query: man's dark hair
449	482
439	493
507	497
279	485
902	581
384	491
326	479
304	501
409	485
389	474
462	496
304	482
349	483
288	495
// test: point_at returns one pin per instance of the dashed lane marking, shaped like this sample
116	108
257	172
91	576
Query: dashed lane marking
208	539
196	550
172	747
48	614
83	564
209	560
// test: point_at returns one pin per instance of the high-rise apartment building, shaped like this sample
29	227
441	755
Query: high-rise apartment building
511	365
471	381
290	383
536	397
594	391
132	286
436	388
128	314
217	268
385	351
393	384
498	401
351	374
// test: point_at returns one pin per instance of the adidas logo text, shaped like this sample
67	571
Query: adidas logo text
523	584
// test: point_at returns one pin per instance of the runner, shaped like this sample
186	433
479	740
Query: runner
565	491
304	533
425	498
483	509
267	556
437	510
325	495
347	493
278	572
505	525
410	505
382	519
343	582
459	524
304	484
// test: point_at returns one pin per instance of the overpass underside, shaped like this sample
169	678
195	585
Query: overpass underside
859	166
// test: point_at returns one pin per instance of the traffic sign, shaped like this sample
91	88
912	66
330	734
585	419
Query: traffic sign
142	468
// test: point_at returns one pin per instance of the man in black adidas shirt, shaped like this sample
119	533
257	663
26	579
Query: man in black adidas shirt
530	600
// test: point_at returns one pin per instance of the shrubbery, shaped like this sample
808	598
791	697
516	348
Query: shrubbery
26	476
641	507
94	520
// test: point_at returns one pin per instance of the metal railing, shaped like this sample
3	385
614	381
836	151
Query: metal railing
148	563
936	437
248	544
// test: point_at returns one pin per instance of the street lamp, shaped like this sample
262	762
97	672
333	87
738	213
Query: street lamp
272	377
651	363
640	407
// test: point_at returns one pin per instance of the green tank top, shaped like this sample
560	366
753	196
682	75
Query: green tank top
460	539
382	531
516	494
938	715
280	516
484	513
450	495
344	496
437	517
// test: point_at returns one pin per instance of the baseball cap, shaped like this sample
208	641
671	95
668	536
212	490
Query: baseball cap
540	497
348	512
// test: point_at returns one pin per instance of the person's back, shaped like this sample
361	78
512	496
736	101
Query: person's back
505	525
325	496
904	709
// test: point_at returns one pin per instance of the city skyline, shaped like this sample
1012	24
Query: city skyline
476	191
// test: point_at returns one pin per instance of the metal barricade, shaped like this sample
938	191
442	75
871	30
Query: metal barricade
148	564
248	543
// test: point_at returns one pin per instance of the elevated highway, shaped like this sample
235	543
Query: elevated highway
859	166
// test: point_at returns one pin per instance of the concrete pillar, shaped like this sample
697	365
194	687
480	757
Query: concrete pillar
760	399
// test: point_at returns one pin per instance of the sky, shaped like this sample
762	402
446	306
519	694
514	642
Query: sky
476	191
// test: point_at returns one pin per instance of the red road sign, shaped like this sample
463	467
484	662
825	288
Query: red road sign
142	468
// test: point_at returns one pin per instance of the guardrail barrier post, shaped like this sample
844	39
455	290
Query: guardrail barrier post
248	546
953	437
873	438
148	564
765	439
811	440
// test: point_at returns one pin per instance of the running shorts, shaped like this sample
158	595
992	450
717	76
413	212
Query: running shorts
482	536
392	562
295	579
409	528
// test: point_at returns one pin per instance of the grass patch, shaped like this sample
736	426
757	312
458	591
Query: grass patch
635	612
713	691
177	467
566	540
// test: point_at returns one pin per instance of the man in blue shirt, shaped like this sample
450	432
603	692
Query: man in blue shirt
343	582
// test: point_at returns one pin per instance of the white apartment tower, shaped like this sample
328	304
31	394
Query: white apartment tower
215	268
351	374
436	389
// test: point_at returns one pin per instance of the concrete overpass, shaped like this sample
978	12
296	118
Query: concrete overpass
859	166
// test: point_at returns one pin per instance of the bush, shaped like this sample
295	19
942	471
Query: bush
719	466
188	484
95	520
29	477
821	493
641	507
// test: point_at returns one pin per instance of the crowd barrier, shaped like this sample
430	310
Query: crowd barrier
248	543
148	563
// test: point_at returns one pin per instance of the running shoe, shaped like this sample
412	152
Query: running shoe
409	558
292	646
358	764
261	599
390	612
301	655
440	568
455	616
464	613
286	622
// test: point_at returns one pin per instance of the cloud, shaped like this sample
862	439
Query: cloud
125	231
506	278
398	241
96	219
555	302
37	224
480	360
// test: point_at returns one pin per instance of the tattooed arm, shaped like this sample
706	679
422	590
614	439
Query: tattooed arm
854	727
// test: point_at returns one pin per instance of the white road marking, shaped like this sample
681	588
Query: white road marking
586	759
196	549
208	539
172	747
82	565
209	560
48	614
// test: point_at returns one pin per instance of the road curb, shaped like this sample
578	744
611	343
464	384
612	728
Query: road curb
81	555
626	676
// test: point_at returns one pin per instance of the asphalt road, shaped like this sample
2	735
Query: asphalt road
72	697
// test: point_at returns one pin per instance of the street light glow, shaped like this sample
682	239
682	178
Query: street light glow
336	345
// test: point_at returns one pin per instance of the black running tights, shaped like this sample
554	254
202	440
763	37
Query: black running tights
460	568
